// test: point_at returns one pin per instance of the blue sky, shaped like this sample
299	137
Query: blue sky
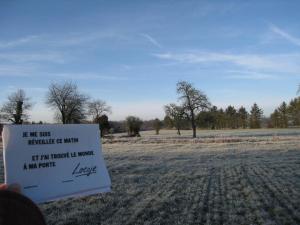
132	53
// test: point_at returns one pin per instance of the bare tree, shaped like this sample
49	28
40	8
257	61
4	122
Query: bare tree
16	108
193	101
69	103
98	108
176	114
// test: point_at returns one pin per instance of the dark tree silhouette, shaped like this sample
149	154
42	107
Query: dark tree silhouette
68	101
103	124
133	125
16	107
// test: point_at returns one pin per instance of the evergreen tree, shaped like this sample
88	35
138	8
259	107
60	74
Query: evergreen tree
294	111
255	116
275	119
221	119
231	117
242	117
283	117
214	116
205	119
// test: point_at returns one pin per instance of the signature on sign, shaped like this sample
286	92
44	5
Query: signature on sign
84	171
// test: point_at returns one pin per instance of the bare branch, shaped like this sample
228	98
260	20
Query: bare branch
97	108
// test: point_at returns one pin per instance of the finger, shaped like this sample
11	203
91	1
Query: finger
14	187
3	186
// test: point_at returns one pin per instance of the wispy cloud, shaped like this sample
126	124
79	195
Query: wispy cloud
33	70
250	75
12	70
285	35
18	42
151	40
81	38
55	57
283	63
61	40
87	76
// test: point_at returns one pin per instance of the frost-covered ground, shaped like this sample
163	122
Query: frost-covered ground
221	177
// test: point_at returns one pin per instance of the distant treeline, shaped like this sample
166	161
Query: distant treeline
193	111
286	115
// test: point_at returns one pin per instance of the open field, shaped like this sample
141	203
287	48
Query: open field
221	177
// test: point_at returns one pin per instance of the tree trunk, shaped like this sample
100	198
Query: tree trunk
194	130
63	118
193	123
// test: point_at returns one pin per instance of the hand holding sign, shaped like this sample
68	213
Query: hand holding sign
54	161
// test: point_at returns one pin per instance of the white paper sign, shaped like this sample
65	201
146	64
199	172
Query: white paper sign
54	161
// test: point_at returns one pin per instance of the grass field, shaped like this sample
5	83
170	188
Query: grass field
221	177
